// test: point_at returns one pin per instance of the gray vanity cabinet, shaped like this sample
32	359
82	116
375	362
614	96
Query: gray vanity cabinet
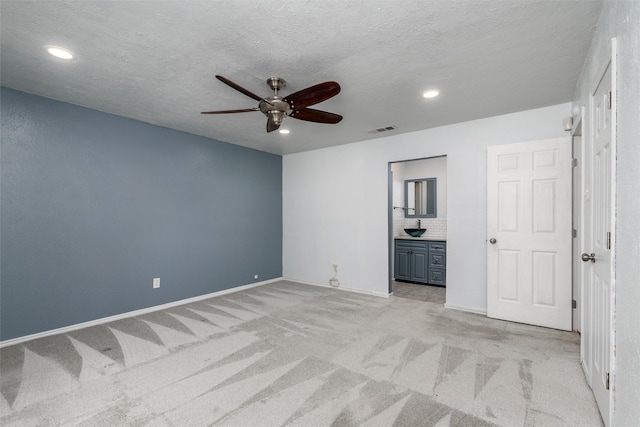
421	261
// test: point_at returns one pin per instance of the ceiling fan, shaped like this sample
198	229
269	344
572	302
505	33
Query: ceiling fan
295	105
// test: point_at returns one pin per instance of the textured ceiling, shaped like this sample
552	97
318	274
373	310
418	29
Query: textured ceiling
155	61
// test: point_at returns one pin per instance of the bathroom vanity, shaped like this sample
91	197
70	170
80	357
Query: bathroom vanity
421	261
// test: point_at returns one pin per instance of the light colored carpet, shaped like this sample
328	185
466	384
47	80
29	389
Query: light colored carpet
298	355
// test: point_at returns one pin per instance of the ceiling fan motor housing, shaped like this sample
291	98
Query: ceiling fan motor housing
275	108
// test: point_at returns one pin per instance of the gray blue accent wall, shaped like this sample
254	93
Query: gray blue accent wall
94	206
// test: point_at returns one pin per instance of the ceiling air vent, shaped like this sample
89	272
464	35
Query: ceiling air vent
383	129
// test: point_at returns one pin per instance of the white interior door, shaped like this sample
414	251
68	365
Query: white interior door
598	294
529	233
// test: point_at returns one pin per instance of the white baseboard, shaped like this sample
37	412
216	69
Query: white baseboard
342	288
467	309
102	320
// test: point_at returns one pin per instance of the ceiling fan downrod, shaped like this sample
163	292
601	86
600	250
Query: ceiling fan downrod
276	83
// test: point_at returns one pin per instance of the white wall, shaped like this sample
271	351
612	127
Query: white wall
621	19
425	168
335	202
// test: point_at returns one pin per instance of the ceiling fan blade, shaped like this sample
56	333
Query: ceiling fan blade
271	125
245	110
312	95
318	116
239	88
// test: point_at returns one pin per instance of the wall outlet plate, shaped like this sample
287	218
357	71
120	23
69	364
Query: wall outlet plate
255	276
156	283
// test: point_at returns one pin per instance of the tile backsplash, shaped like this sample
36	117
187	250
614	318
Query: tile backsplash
436	227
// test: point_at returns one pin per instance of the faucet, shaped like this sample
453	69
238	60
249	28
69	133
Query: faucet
419	224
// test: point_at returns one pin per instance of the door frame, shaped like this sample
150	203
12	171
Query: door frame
390	210
577	186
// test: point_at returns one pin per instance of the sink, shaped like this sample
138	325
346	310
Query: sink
415	232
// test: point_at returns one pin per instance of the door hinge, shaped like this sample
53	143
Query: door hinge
573	304
608	240
574	233
574	162
607	381
610	100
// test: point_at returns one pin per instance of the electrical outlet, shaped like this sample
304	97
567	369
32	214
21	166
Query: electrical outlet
156	283
335	266
255	276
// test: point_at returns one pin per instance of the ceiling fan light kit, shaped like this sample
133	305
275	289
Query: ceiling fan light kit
295	105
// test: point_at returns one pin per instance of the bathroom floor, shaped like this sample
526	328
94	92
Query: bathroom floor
428	293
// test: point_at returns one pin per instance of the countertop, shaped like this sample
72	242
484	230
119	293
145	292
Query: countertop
407	237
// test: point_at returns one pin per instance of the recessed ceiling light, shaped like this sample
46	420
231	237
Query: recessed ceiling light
284	131
432	93
59	52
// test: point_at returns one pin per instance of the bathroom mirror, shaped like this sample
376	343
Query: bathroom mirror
420	198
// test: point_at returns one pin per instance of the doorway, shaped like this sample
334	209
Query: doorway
418	270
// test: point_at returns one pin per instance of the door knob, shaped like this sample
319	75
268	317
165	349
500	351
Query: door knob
588	257
492	241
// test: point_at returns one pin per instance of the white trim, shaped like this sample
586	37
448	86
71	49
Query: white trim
134	313
578	125
613	225
341	288
584	132
467	309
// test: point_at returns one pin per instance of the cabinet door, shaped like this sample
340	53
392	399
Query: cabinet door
420	266
402	265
